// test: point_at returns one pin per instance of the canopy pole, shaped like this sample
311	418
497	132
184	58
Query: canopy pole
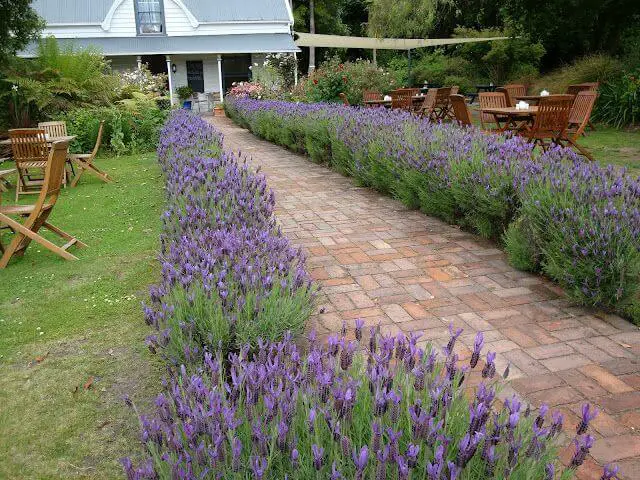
170	78
295	68
410	83
375	57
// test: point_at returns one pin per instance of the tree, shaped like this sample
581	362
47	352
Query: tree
19	24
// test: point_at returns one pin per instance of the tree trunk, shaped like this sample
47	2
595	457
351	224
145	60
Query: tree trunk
312	29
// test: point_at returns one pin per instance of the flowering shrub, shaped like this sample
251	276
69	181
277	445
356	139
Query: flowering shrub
141	80
229	276
351	78
246	89
584	233
395	411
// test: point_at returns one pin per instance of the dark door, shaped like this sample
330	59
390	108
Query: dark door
235	68
195	75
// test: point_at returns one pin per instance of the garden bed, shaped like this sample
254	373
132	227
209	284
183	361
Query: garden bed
577	222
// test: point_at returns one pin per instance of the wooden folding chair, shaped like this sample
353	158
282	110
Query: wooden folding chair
369	95
345	100
511	91
581	111
84	161
460	110
551	121
426	108
36	215
441	109
492	100
30	153
5	170
575	89
54	129
403	98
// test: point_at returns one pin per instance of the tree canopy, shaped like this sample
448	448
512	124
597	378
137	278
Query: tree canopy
19	24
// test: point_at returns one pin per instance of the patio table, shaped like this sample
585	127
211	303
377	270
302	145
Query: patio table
512	114
50	140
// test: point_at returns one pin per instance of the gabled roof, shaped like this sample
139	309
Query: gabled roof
72	11
208	11
204	11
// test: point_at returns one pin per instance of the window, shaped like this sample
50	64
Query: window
149	17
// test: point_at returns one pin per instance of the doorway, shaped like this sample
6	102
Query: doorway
235	68
157	63
195	75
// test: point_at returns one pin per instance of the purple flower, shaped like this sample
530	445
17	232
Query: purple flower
361	458
583	445
489	369
549	471
318	456
610	472
477	347
358	331
588	414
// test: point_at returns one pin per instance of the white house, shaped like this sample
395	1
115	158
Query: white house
206	44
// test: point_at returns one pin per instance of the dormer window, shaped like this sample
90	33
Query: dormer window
149	17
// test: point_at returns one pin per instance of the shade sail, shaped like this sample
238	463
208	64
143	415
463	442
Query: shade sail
337	41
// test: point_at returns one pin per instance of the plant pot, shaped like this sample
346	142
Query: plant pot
219	111
186	104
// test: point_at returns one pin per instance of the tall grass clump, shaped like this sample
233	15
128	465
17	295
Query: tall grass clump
575	221
387	410
229	276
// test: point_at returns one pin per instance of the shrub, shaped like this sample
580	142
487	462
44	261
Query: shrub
619	102
141	80
483	183
351	78
395	411
130	127
229	276
247	89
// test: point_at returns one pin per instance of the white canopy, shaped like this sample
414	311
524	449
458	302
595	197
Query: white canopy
337	41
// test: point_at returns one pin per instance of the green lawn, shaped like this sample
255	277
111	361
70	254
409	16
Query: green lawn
619	147
65	323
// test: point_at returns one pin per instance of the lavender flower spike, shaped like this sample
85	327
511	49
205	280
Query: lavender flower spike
318	456
587	416
477	347
610	472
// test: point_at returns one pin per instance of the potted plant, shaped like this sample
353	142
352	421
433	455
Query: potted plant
185	92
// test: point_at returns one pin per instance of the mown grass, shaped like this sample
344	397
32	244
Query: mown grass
71	333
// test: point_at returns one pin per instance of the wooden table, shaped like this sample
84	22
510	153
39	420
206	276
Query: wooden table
387	103
530	98
50	140
512	115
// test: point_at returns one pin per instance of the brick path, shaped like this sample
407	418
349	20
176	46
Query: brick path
409	272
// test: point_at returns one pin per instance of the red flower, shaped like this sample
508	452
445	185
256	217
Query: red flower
344	79
315	81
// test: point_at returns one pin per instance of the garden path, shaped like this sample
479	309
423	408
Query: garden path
408	272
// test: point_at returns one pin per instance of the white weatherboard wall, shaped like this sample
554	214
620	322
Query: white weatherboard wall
209	67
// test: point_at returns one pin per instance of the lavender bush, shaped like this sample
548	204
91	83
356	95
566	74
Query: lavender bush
390	409
229	276
574	221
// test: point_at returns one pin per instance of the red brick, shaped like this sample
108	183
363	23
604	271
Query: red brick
604	378
536	383
621	402
612	449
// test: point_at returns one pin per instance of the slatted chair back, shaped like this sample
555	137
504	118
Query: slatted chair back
581	111
54	129
512	91
490	100
593	86
345	100
455	89
30	153
98	143
53	176
426	107
403	98
552	118
575	89
460	110
369	95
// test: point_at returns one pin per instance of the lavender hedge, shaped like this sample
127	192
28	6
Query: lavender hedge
396	411
579	223
229	276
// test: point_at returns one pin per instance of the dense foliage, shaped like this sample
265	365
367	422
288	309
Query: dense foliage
579	222
58	80
619	102
229	276
396	411
19	25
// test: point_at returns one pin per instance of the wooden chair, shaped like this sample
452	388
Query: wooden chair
426	108
54	129
36	215
492	100
84	161
581	111
403	98
455	89
584	87
442	108
369	95
460	110
551	121
30	153
511	91
5	170
344	99
575	89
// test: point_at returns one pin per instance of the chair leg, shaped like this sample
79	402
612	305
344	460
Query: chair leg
63	234
580	148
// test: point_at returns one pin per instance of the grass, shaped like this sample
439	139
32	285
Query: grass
618	147
71	333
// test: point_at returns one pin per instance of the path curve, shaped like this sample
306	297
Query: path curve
406	271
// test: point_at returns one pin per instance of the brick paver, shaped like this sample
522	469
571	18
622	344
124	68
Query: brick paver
409	272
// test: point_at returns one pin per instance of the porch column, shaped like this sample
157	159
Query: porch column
169	76
295	70
220	78
139	61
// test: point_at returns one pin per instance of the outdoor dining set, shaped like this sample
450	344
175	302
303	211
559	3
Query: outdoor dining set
42	166
544	119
